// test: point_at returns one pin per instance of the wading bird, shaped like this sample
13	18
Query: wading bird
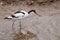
18	15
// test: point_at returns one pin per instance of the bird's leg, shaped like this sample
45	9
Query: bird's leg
13	29
20	27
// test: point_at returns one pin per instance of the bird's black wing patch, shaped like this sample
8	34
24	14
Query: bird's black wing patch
22	13
17	12
14	16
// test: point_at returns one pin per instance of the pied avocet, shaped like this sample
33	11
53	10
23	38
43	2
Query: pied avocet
19	15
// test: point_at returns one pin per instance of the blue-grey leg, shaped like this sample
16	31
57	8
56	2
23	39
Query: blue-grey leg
20	26
13	29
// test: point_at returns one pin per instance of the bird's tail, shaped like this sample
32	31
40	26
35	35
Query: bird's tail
8	17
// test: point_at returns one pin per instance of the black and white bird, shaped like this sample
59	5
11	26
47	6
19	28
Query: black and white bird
19	15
